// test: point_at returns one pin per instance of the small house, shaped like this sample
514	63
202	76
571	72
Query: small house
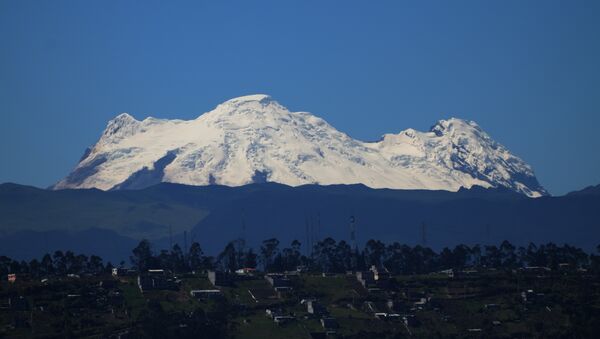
365	278
278	316
245	271
123	272
279	282
154	281
410	320
219	278
449	273
283	319
206	294
314	307
380	273
329	323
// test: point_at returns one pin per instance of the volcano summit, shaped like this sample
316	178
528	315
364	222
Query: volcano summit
254	139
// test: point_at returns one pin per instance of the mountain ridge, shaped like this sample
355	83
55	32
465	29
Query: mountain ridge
35	220
254	139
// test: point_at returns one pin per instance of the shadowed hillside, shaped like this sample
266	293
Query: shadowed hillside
213	215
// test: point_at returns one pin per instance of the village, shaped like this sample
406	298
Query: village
246	303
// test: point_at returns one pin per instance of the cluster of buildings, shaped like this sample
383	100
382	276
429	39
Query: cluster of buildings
157	279
376	278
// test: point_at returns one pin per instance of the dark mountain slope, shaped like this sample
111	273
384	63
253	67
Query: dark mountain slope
214	215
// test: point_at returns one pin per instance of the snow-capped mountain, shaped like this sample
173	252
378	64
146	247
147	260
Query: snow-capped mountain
255	139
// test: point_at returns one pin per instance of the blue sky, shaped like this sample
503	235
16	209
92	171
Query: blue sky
527	71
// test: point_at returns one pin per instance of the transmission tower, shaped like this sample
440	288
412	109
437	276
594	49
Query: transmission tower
354	247
352	232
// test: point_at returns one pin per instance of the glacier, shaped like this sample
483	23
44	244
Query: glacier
253	139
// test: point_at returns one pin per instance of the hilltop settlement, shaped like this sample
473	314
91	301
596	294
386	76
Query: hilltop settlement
381	291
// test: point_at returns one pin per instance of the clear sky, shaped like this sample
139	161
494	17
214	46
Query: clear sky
527	71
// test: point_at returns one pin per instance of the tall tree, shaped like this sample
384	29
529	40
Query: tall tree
227	259
326	256
343	254
95	264
177	259
250	259
374	252
508	254
461	256
47	264
142	256
196	256
268	251
59	262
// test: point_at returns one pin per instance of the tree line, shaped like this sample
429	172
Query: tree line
327	255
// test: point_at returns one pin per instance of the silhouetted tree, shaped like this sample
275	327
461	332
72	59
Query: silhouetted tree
325	256
47	266
177	259
461	256
344	256
508	256
492	257
395	260
268	251
250	259
374	252
196	256
227	259
142	256
290	257
95	264
59	262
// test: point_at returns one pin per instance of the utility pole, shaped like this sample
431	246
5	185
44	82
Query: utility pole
423	234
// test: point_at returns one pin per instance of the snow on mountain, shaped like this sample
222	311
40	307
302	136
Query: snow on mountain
255	139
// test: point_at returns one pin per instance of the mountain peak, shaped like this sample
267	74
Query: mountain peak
454	124
254	139
252	112
120	127
123	118
250	97
262	99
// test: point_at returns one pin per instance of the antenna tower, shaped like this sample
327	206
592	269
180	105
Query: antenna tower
354	247
243	229
353	233
307	236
